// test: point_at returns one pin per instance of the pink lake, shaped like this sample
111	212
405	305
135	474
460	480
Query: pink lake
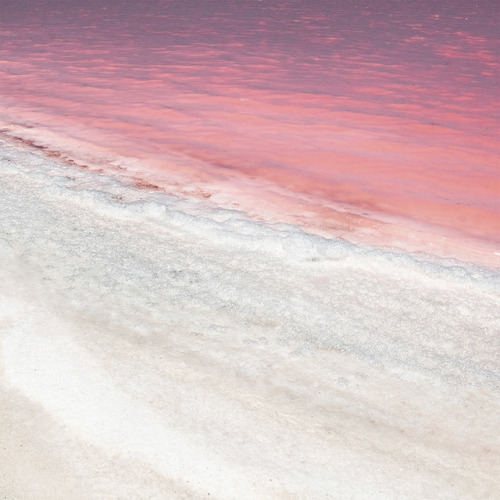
376	122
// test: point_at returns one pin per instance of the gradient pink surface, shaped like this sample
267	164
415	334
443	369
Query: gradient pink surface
373	121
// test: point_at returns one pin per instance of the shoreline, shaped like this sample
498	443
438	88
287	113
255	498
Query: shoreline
264	201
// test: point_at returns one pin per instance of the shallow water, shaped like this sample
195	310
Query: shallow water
374	123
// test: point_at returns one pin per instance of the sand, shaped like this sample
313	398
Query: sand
157	347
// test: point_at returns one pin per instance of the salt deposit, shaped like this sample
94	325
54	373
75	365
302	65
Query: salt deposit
154	346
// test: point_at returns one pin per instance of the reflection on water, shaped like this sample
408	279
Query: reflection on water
387	110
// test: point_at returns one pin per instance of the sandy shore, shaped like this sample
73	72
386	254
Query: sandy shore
151	349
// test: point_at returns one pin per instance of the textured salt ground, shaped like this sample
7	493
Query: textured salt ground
158	351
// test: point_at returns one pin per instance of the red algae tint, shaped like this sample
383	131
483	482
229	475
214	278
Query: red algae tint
348	118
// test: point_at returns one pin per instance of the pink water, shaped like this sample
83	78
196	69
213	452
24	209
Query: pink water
375	121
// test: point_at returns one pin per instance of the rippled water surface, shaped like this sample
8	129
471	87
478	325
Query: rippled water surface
326	114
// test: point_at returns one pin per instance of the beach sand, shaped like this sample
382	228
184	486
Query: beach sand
156	347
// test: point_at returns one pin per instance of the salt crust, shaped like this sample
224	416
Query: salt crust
154	347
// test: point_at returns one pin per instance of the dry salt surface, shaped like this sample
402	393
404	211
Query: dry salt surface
158	347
